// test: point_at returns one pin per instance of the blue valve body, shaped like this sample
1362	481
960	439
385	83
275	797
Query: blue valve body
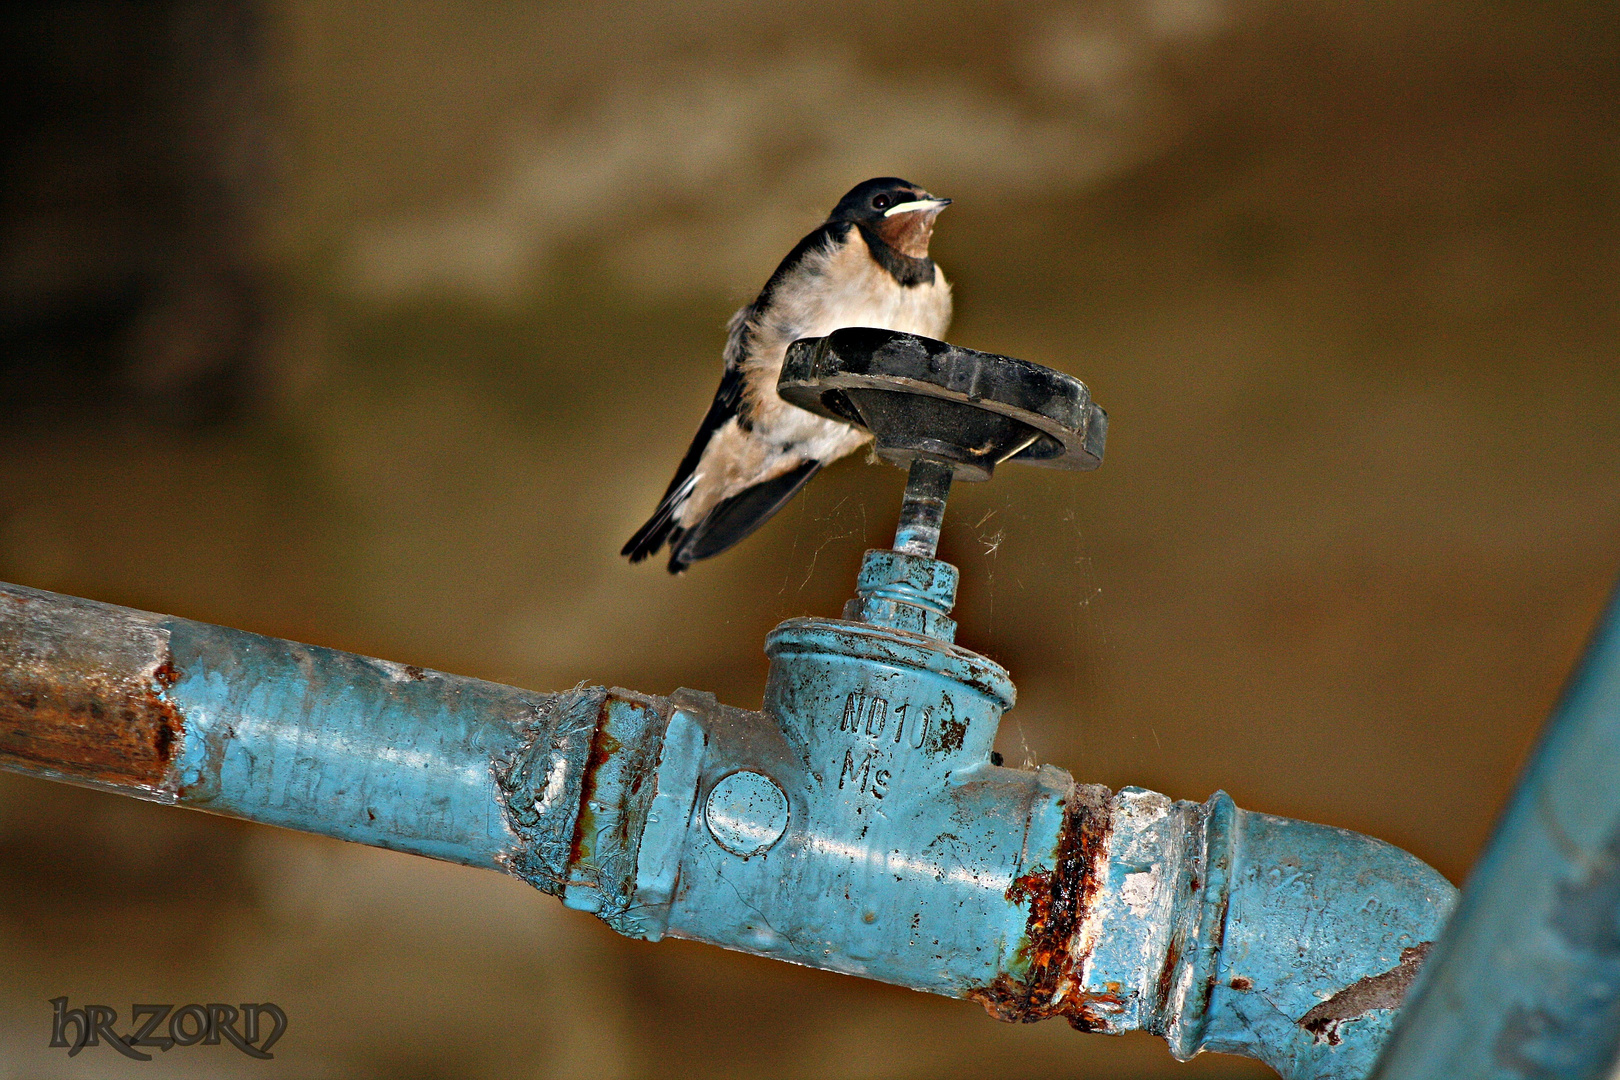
899	828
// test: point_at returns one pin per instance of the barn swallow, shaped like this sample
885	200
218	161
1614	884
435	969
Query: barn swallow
866	265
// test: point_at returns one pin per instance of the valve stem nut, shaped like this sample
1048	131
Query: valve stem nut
905	592
911	579
896	615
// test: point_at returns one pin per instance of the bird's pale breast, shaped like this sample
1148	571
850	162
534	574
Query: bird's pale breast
843	286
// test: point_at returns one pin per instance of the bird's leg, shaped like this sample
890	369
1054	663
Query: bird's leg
927	487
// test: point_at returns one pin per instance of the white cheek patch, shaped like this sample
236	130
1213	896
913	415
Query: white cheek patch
915	205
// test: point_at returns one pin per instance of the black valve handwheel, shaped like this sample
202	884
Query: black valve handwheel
922	398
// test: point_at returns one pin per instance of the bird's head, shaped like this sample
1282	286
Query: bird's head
901	214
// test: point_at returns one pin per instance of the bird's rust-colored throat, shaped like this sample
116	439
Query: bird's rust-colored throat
909	234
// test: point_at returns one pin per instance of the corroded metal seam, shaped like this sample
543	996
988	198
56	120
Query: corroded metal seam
1187	884
542	785
1146	914
1186	1005
1057	937
618	792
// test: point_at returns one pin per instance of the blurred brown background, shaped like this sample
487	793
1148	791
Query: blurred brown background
382	325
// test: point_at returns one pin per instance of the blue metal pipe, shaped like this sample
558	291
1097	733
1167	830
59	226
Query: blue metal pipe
184	713
857	823
1525	983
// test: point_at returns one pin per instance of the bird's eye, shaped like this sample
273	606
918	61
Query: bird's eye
881	202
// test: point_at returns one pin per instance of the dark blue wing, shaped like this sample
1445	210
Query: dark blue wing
746	511
735	518
651	536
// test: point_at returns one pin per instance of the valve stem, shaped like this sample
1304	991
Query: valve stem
928	485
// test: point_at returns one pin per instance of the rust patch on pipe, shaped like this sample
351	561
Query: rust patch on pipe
586	828
1167	974
1058	901
614	801
106	727
1385	990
